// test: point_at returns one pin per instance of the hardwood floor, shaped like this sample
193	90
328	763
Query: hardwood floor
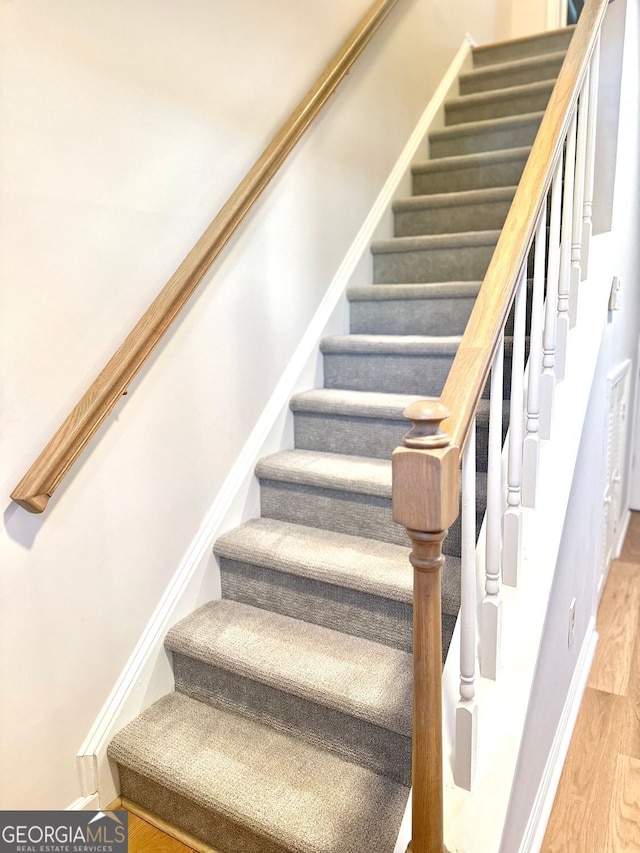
597	805
144	838
618	627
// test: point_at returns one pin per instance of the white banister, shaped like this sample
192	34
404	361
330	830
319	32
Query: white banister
566	228
548	378
587	213
512	524
531	445
467	711
578	201
491	619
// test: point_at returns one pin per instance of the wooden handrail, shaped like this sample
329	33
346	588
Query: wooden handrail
470	369
46	473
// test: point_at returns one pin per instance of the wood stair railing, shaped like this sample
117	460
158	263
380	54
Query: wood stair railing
49	469
426	470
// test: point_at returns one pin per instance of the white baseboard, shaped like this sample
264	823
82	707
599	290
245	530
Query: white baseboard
539	817
624	526
84	804
148	674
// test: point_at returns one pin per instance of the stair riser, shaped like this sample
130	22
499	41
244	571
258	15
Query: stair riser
351	611
410	316
394	374
488	216
487	81
491	139
505	174
207	824
375	438
465	263
410	374
353	739
344	512
364	436
498	108
520	50
422	316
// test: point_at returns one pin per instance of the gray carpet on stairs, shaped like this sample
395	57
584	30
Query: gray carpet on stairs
452	213
465	172
481	106
515	73
486	135
242	786
238	658
433	257
290	727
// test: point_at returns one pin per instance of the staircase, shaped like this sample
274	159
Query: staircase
290	727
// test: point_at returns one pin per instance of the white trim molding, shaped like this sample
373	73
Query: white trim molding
84	804
622	534
543	803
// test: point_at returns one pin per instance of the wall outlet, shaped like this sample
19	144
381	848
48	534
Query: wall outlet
572	622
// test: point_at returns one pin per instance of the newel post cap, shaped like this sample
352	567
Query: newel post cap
426	416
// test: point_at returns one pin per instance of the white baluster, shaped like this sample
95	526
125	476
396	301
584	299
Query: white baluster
548	378
491	625
587	211
531	444
512	525
578	200
566	227
467	710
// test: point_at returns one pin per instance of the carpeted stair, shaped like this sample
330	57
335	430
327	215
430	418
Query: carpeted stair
290	727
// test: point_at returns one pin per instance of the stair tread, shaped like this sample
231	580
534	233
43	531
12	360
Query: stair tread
283	788
430	290
307	660
540	59
359	474
362	404
423	242
503	94
470	128
454	199
389	344
368	565
523	40
469	161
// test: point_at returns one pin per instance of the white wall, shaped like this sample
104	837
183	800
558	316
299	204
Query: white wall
528	17
579	562
533	16
124	127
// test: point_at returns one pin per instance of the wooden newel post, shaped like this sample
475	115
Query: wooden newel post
426	488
